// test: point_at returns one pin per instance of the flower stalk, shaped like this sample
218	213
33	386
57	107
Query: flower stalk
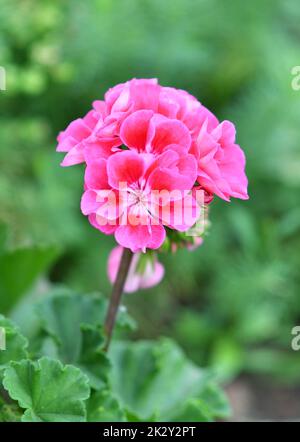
116	295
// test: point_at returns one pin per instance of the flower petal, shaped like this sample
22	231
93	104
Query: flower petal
164	132
152	276
96	175
138	238
89	202
134	129
74	156
124	167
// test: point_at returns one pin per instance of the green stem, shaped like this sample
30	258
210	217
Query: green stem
116	295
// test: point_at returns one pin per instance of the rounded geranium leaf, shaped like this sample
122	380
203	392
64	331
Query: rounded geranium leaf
47	390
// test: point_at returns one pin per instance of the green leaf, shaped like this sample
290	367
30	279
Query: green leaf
194	410
19	269
62	313
214	396
47	390
92	360
155	381
75	322
104	407
16	344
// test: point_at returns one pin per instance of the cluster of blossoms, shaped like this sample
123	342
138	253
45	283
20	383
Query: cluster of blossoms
155	158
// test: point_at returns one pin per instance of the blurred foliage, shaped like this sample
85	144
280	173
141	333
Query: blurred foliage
232	303
134	381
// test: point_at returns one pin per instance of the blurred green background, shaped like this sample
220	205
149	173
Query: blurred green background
232	303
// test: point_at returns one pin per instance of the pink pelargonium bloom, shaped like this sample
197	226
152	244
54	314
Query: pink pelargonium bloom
150	139
121	101
179	104
72	139
145	131
135	94
150	275
134	195
80	135
198	241
221	162
97	135
146	94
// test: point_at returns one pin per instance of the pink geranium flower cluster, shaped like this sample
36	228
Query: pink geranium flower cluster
147	149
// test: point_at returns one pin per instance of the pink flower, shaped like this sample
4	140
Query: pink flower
148	275
79	138
121	101
133	95
72	139
147	132
135	195
146	94
179	104
221	162
141	94
198	241
97	135
148	151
